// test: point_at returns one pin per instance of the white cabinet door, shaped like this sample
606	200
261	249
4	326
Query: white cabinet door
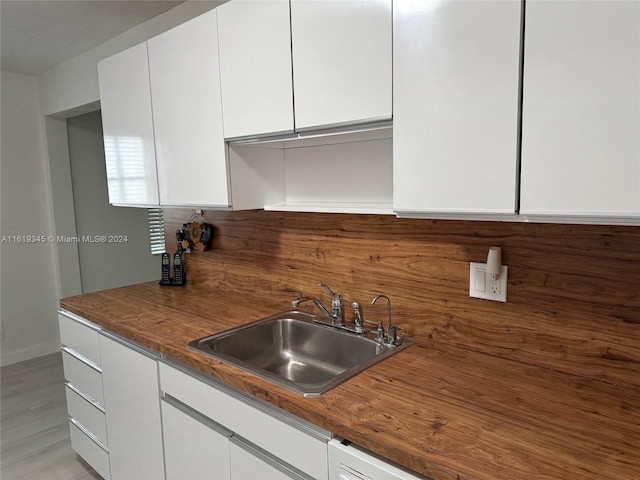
581	109
125	100
192	449
456	76
342	66
132	404
187	113
255	67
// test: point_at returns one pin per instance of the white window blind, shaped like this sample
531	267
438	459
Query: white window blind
156	230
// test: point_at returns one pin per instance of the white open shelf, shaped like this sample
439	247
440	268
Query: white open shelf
366	208
340	172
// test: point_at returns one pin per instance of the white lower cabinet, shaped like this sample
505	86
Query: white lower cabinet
86	446
265	443
197	448
81	361
349	462
133	416
194	446
87	377
89	413
132	404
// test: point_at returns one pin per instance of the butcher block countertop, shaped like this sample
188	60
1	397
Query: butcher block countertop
442	411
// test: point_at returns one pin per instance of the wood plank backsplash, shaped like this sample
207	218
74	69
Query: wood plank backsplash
573	290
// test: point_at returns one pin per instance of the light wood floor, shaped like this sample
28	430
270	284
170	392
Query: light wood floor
34	432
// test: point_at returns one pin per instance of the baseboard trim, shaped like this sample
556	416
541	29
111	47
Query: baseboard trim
11	357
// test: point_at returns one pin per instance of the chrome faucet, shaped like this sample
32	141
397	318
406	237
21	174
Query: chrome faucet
391	338
336	315
337	312
298	301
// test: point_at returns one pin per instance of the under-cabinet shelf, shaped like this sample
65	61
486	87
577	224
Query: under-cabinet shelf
364	208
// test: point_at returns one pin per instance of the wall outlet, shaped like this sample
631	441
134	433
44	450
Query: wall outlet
494	285
483	285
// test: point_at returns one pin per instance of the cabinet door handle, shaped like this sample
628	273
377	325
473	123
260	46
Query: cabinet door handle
266	457
197	416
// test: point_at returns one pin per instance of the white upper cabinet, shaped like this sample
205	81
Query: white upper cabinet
456	78
162	113
581	110
342	69
255	67
129	148
187	114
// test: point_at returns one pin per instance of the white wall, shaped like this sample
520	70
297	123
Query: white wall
28	298
110	264
71	88
34	161
64	220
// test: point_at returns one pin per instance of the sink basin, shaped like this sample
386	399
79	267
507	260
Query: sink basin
292	351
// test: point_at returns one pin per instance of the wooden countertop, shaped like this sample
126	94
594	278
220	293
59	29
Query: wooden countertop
443	411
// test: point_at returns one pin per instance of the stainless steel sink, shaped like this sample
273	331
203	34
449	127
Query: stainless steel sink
292	351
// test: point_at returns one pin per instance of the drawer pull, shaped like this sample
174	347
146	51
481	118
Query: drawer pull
80	320
85	396
84	430
81	358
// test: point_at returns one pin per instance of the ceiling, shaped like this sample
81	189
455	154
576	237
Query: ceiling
36	35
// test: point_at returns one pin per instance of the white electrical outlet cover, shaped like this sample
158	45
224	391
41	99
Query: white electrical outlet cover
481	285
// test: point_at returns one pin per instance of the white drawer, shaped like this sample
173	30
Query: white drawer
274	432
85	377
351	462
89	450
80	335
89	414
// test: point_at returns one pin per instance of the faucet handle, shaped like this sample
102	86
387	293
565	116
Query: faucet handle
336	305
392	335
379	330
357	317
328	289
